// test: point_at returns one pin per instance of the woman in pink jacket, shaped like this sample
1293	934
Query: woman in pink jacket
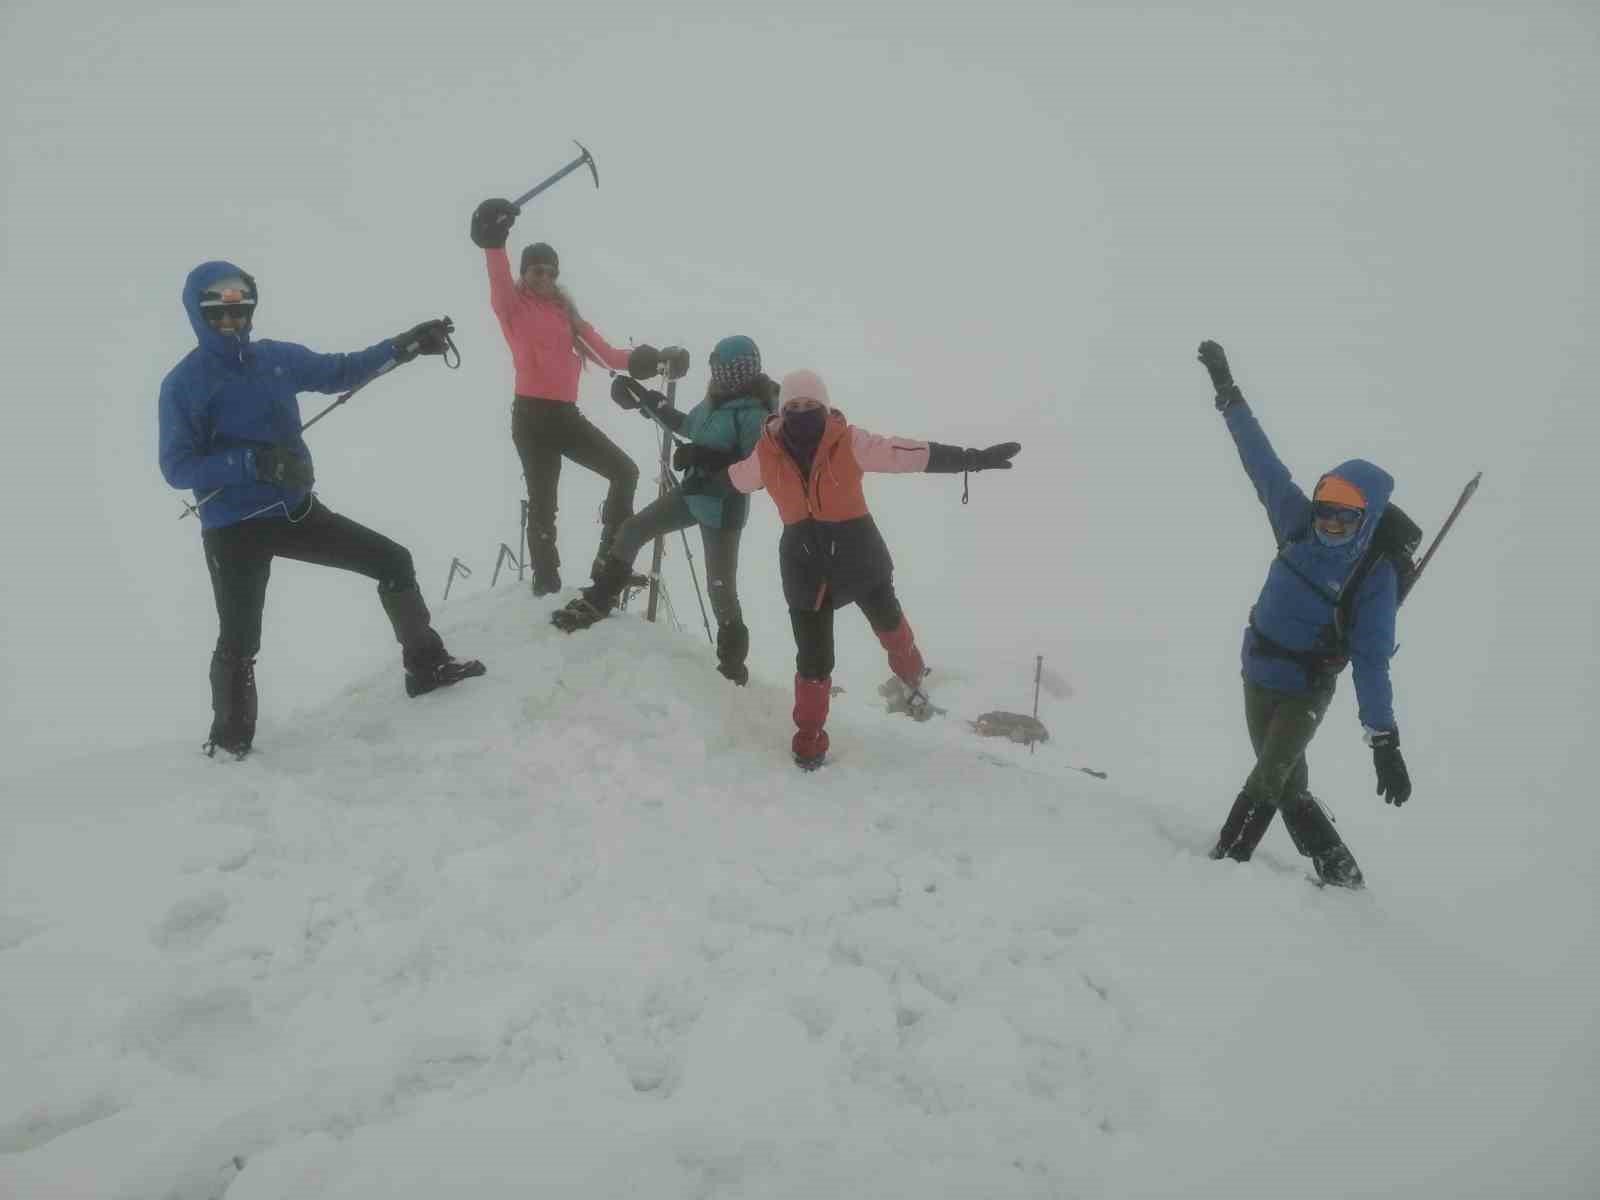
549	344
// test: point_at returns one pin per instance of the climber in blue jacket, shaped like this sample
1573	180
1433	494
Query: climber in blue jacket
1303	629
231	431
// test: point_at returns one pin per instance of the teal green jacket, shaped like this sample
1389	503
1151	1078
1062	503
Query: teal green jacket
732	423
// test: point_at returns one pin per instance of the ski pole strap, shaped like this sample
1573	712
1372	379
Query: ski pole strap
965	493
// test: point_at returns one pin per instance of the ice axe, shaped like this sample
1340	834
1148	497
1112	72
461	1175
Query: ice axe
583	159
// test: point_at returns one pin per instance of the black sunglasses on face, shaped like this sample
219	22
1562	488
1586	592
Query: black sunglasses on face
239	312
550	271
1336	514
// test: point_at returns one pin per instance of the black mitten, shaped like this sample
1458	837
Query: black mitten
491	223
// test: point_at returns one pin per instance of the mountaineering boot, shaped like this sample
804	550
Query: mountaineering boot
427	674
428	666
233	704
810	743
733	647
597	600
1242	832
1316	838
545	561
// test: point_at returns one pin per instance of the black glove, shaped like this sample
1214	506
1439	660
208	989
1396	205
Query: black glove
644	362
282	466
623	394
707	458
993	458
1394	782
1216	363
491	223
430	337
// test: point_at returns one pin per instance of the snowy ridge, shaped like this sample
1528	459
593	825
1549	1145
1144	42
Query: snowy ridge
578	928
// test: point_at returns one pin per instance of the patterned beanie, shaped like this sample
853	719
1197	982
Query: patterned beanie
735	363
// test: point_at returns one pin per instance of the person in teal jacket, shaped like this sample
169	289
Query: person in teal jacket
721	430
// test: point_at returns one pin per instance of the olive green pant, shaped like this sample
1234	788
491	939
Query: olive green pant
1281	726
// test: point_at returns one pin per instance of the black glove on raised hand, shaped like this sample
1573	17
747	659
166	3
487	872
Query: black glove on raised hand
993	458
491	223
282	466
430	337
1394	781
1216	364
644	362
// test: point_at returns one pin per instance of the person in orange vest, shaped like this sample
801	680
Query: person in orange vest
811	460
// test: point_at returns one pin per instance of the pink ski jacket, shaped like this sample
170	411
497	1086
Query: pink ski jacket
541	337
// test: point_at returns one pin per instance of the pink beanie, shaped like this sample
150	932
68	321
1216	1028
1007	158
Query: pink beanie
802	385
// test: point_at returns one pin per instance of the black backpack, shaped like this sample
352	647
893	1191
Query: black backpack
1397	538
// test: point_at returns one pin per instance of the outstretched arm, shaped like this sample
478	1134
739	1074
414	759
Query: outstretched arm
1372	645
313	372
1288	510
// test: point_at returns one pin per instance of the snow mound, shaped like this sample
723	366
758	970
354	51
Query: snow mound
579	928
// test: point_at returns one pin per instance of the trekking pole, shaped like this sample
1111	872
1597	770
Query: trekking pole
505	553
704	620
522	542
1466	494
450	326
667	482
1038	677
457	567
572	166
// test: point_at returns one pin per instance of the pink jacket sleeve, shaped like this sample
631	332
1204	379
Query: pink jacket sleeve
602	351
888	454
746	475
501	286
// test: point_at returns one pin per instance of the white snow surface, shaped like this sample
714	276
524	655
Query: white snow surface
580	929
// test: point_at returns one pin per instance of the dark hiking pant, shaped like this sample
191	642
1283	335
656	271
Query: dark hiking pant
1281	726
670	513
813	628
545	432
239	559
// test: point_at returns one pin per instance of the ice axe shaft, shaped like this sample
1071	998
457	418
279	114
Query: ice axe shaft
581	160
1466	494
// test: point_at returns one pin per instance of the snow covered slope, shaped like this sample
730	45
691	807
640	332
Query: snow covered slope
579	929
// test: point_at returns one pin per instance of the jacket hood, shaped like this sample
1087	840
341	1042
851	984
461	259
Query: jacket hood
1376	485
230	348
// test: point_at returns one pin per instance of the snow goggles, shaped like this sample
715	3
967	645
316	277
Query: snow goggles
234	297
239	312
1336	514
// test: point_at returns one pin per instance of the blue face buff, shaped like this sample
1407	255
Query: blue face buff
1342	523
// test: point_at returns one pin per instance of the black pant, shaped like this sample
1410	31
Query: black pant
813	628
545	432
670	513
240	556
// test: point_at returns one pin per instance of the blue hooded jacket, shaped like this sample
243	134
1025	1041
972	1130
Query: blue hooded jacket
229	396
1296	606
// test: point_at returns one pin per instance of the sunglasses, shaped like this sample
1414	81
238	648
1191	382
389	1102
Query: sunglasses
1336	514
537	272
239	312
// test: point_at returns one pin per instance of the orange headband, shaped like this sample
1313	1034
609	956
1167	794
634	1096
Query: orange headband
1333	490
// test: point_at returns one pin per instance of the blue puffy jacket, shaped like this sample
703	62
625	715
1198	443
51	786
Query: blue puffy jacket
721	424
229	396
1305	582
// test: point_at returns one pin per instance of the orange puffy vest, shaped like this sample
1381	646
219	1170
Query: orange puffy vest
833	492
